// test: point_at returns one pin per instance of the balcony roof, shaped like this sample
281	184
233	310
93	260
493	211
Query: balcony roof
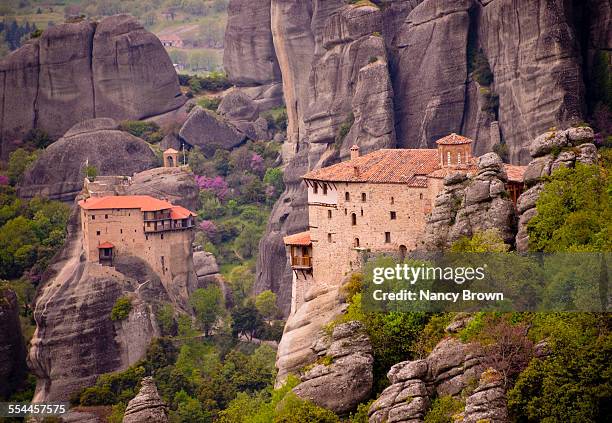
301	239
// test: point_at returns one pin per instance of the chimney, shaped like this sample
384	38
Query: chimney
355	167
354	152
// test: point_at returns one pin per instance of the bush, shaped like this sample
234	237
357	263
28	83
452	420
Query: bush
38	138
209	103
344	129
293	409
148	131
19	161
574	212
91	172
121	309
443	409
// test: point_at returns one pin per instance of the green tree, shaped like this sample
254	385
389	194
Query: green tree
487	241
246	320
197	161
19	161
208	306
121	309
165	319
241	279
293	409
274	178
266	304
574	212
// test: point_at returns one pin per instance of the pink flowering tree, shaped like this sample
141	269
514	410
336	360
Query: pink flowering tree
4	180
257	163
209	228
216	185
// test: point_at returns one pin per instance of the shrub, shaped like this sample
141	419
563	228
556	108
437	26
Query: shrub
443	409
344	129
38	138
121	309
479	66
148	131
293	409
91	172
501	150
487	241
19	161
209	103
277	118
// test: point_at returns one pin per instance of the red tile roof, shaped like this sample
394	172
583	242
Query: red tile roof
142	202
382	166
170	151
106	245
179	212
303	239
515	173
453	139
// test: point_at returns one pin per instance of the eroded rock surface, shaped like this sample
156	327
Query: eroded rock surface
176	185
466	206
78	71
345	377
147	406
209	132
488	401
59	171
449	368
550	151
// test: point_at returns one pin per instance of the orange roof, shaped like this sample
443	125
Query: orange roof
515	173
382	166
170	151
303	239
179	212
106	245
453	139
142	202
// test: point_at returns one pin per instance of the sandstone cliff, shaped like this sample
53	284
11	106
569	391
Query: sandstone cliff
75	340
146	406
59	171
406	72
77	71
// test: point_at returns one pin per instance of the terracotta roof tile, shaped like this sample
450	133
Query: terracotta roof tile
106	245
142	202
453	139
303	239
179	212
381	166
170	151
515	173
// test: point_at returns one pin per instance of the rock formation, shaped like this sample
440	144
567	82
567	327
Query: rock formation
77	71
75	340
466	206
146	406
206	268
449	368
420	48
209	132
59	171
551	151
488	401
342	376
12	346
243	113
176	185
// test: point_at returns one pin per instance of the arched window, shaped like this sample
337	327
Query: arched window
356	243
363	197
403	250
362	211
347	196
353	219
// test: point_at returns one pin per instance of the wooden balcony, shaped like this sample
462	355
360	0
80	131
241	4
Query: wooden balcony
301	262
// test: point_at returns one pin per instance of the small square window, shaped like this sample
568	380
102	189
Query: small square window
393	215
106	216
329	238
93	217
315	189
329	214
345	212
347	196
98	233
324	189
120	231
363	197
387	237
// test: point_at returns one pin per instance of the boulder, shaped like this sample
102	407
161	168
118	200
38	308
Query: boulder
59	171
547	142
174	184
146	406
82	70
488	401
238	106
347	379
205	130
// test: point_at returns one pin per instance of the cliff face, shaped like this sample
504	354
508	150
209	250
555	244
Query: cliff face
406	72
75	340
78	71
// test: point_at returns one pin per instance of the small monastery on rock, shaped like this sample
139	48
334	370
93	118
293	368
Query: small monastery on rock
377	202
